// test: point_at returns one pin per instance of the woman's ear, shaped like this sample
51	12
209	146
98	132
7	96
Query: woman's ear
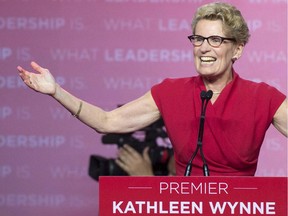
238	52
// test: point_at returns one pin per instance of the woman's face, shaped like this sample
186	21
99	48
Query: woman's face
212	62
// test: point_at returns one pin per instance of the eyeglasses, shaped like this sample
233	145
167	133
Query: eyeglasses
214	40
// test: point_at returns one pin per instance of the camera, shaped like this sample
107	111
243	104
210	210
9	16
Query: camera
139	140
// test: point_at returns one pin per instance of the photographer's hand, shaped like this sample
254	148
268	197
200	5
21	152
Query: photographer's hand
133	162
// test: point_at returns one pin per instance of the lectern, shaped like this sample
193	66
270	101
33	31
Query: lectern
207	196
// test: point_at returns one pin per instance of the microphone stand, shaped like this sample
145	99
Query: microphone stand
205	97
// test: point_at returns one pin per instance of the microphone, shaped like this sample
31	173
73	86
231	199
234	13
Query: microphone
209	95
205	97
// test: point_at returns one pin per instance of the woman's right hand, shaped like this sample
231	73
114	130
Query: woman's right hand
42	81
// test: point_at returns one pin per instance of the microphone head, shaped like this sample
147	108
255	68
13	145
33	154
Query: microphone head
209	94
203	95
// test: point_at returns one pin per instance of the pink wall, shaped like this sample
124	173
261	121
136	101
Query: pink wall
106	52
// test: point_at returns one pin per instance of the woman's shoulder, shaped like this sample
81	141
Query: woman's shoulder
256	85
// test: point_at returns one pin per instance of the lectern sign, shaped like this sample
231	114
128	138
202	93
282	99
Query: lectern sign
193	196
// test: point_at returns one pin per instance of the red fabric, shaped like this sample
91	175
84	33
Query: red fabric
235	124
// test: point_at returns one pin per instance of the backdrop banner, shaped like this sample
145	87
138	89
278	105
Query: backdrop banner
106	52
193	196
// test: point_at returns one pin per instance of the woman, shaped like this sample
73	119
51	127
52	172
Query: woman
237	116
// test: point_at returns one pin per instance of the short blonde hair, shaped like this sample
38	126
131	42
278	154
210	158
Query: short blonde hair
234	25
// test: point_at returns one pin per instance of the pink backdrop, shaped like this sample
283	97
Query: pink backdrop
106	52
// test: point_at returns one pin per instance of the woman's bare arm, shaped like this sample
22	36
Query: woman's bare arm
280	118
127	118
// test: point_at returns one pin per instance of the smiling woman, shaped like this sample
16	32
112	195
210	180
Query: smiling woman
112	51
220	56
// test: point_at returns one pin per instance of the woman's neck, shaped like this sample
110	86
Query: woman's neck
217	84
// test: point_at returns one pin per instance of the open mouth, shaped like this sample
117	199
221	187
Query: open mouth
207	59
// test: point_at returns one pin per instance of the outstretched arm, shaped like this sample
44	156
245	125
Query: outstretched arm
280	118
127	118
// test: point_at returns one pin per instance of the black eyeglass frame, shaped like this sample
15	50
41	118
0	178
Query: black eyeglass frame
222	39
